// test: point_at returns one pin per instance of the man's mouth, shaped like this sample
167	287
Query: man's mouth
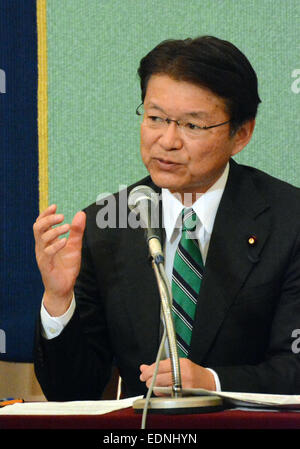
166	161
166	165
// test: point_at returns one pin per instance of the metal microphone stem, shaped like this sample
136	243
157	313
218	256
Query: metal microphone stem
166	301
178	402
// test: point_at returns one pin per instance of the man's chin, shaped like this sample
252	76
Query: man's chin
176	186
164	183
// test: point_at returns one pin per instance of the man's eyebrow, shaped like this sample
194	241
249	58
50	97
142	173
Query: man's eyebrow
155	106
197	114
193	114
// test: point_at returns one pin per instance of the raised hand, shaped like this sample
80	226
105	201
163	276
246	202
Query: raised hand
58	258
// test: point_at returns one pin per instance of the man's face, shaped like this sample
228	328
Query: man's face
174	159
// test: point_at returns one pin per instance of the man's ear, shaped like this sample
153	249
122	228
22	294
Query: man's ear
243	136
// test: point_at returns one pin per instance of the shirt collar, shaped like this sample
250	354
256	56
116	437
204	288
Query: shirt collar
205	207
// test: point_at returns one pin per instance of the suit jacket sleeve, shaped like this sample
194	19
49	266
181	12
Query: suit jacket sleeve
117	315
77	363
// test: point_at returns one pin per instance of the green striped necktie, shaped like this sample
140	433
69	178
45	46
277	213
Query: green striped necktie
186	282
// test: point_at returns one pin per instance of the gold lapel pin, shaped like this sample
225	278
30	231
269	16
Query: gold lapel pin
252	240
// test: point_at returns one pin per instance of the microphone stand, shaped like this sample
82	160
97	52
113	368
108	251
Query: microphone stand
177	403
166	301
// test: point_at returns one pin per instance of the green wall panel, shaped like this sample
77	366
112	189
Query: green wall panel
94	48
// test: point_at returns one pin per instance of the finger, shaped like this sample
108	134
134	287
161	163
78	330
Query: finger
51	250
143	367
147	371
50	210
162	380
77	228
45	223
164	367
51	235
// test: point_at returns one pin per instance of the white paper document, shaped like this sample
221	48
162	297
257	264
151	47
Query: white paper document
67	408
256	400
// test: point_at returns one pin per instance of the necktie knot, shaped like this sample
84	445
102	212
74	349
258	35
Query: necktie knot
189	220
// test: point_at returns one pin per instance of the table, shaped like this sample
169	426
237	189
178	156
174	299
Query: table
128	419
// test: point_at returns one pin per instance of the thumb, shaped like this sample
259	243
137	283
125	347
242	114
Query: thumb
77	228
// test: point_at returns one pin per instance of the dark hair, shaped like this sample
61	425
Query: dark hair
208	62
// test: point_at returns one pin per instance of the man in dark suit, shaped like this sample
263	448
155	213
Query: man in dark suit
101	303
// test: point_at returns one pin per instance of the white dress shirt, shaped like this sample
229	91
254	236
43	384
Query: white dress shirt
205	207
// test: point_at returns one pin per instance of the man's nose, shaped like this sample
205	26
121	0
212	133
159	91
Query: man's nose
171	137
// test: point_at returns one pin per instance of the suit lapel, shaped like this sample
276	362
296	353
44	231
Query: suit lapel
242	213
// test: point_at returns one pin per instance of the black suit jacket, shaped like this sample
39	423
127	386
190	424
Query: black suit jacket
248	307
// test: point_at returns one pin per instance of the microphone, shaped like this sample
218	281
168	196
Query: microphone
143	200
